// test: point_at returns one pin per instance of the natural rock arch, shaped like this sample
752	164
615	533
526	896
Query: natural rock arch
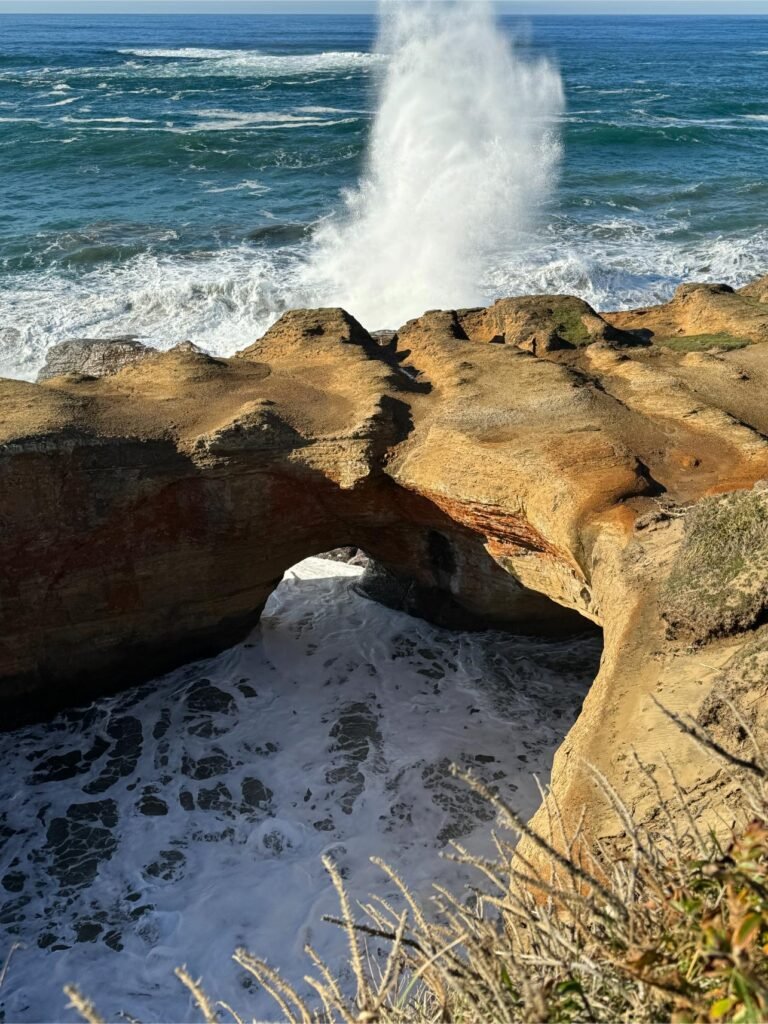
531	460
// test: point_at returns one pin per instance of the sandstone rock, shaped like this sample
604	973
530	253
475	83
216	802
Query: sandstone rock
148	514
708	315
542	323
93	357
757	289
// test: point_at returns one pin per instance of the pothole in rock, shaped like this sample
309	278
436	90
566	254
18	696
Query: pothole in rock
183	818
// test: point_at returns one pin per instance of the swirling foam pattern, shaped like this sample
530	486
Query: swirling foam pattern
186	817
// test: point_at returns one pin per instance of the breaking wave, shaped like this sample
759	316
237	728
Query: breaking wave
252	63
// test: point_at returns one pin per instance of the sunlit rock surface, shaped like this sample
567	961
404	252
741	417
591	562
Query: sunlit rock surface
536	463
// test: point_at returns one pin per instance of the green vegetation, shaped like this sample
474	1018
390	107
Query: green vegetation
657	927
719	581
700	342
570	326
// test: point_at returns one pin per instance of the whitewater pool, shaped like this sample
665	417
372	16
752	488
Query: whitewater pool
184	818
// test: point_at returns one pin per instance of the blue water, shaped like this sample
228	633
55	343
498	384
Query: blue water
163	175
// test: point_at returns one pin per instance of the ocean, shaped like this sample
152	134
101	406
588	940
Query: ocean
191	178
189	816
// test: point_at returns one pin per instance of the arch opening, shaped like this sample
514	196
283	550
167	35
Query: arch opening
188	815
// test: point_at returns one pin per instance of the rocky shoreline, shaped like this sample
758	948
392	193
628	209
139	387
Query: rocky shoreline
533	465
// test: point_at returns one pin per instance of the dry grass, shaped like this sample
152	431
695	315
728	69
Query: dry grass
671	927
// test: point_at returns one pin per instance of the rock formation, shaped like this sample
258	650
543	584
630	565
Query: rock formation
93	357
533	464
98	357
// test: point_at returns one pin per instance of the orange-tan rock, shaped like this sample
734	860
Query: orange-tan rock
540	464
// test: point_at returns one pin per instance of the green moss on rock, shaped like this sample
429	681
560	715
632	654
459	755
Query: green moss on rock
570	326
700	342
719	581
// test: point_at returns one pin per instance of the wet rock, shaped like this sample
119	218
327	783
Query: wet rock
347	555
93	357
406	594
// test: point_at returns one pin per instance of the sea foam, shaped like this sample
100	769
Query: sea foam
179	820
250	63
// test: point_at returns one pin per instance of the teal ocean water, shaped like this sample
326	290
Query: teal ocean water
184	176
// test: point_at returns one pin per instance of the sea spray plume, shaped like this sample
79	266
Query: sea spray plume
461	153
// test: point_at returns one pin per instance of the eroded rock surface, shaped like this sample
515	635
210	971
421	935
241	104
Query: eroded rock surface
707	315
93	357
533	465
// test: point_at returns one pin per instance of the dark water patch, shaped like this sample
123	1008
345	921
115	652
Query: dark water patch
168	867
279	234
127	733
216	798
209	710
462	806
356	735
256	796
150	804
66	766
206	767
78	843
13	881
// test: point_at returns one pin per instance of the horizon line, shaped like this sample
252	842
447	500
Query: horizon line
527	8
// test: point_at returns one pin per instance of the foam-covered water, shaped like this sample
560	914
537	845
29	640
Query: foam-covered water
183	818
195	176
